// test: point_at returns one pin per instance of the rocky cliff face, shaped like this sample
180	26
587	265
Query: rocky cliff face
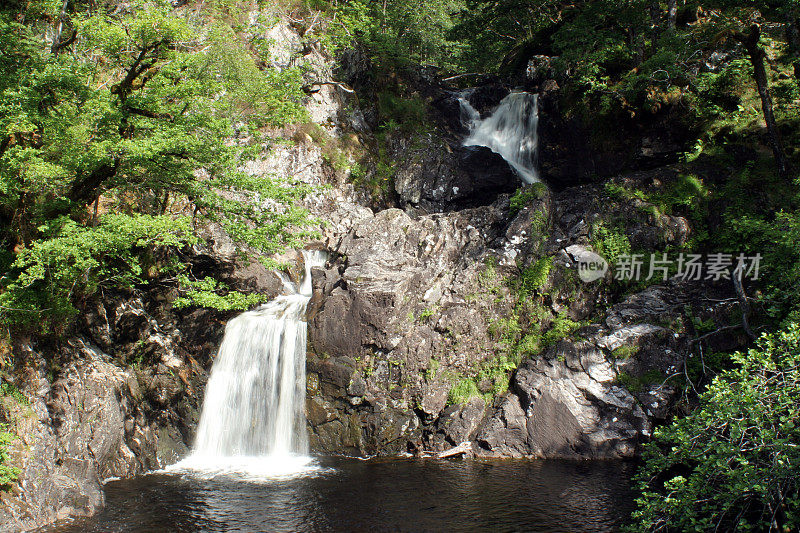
96	417
413	308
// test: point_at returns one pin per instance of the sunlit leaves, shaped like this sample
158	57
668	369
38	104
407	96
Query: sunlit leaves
733	464
75	260
137	115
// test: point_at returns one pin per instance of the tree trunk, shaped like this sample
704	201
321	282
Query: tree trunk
655	20
59	27
793	39
793	32
757	56
86	189
672	13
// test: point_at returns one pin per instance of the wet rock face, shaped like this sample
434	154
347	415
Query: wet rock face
394	319
444	176
487	95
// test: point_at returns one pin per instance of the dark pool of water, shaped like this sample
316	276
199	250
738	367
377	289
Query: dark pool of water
378	495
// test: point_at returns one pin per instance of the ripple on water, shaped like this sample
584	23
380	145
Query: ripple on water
339	494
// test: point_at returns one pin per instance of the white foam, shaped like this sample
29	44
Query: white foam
247	468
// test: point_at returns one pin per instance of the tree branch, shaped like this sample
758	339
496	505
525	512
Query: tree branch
58	46
149	114
744	304
124	88
85	191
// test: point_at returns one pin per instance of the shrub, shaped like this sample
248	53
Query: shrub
524	196
610	243
734	463
562	327
8	473
462	391
535	276
405	114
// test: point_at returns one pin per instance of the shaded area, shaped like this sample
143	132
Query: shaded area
379	495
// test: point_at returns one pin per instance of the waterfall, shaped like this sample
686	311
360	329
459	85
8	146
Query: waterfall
255	398
510	131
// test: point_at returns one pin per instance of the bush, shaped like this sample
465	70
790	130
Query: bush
8	474
610	243
734	463
524	196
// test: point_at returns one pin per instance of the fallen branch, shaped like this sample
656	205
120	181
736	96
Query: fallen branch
313	23
457	76
463	448
716	331
342	86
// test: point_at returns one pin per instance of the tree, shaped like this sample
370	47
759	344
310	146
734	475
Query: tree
133	116
733	464
751	43
398	33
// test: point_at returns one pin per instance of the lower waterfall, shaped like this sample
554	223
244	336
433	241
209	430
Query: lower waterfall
253	413
510	131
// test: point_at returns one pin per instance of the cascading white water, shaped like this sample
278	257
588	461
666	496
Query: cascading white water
510	131
255	398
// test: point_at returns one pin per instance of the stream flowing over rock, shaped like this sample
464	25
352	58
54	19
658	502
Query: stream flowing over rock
406	308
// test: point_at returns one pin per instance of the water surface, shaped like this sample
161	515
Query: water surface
376	495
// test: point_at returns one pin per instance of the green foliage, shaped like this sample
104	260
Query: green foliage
433	368
492	31
8	473
530	344
637	384
406	114
534	277
620	192
506	329
8	390
523	197
496	371
135	119
561	328
256	96
733	463
398	33
331	147
488	278
493	372
759	216
463	391
685	195
609	243
427	313
210	293
73	261
625	352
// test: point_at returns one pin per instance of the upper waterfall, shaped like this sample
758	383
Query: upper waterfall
254	401
511	131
